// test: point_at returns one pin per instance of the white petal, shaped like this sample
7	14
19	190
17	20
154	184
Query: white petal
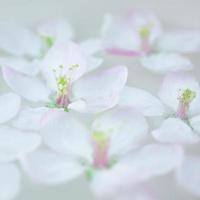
22	65
19	41
28	87
63	133
195	124
50	168
155	160
100	90
172	87
15	143
64	55
30	118
188	175
9	106
175	131
163	62
124	127
182	41
58	30
141	100
9	181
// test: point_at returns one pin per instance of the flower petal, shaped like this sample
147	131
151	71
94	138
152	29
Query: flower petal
124	127
28	87
142	101
19	41
30	118
100	90
156	159
58	30
165	62
66	55
188	175
15	143
172	86
50	168
195	124
65	134
9	181
180	41
9	106
175	131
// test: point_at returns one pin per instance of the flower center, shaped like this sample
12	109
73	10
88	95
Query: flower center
185	100
144	33
100	143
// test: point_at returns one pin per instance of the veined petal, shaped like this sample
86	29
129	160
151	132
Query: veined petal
58	30
28	87
188	175
180	41
156	159
100	90
9	106
9	181
22	65
175	131
65	134
142	101
67	56
30	118
175	83
47	167
124	127
165	62
19	41
15	143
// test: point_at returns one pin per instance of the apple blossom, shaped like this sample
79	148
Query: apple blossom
139	34
108	154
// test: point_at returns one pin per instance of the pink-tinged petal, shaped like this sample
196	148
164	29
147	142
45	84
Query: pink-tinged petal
172	87
142	101
188	175
164	62
15	143
22	65
123	52
58	30
9	181
67	56
155	160
47	167
19	41
180	41
195	124
175	131
9	106
65	134
117	33
28	87
100	90
124	127
30	118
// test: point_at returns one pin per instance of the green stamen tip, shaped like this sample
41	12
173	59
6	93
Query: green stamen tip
187	96
89	172
49	41
144	32
99	137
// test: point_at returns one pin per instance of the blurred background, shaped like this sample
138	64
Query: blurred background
86	17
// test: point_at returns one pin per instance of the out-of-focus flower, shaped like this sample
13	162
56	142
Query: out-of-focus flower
14	143
139	34
63	70
107	154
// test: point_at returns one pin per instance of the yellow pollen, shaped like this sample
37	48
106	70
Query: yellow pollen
187	96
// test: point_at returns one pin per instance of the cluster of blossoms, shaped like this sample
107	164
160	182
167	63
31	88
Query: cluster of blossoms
67	116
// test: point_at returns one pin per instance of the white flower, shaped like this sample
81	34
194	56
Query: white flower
13	144
139	34
104	153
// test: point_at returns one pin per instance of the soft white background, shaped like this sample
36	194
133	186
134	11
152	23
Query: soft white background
86	17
